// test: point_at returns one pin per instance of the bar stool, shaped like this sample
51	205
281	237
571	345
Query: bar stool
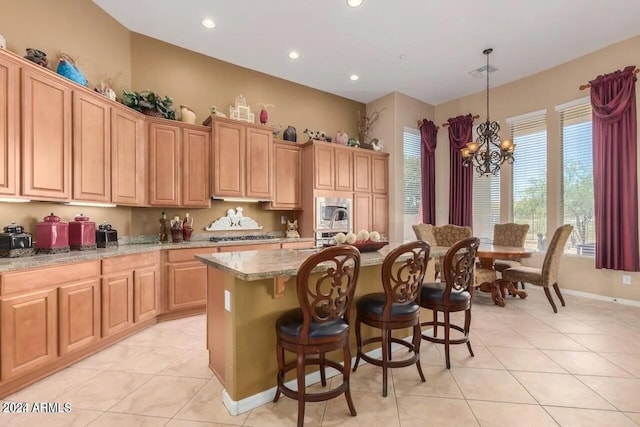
395	308
452	295
320	325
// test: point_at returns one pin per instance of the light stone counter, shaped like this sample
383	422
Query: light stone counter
12	264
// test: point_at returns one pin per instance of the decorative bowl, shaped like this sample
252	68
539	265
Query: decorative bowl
364	246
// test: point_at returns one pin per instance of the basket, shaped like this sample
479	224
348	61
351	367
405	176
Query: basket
151	112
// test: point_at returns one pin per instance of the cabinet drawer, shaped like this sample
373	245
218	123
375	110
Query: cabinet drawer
128	262
47	277
186	255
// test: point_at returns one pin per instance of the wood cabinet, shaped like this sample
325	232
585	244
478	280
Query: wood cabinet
117	303
186	279
380	174
287	176
28	332
146	293
79	315
9	127
195	168
164	164
128	153
323	167
46	136
362	212
380	215
362	172
258	163
91	148
343	170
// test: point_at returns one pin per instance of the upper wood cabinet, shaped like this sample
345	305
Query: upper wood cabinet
380	214
362	172
164	164
323	167
195	168
9	127
91	148
242	159
46	136
343	170
380	174
128	153
287	176
362	212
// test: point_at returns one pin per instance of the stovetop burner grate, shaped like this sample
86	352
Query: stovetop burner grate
241	238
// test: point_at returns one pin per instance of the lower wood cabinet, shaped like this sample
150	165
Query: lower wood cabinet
79	315
117	303
187	285
28	332
146	293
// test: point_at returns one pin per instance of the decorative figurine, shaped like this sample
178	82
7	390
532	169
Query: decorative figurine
342	138
37	56
276	131
3	42
264	116
292	229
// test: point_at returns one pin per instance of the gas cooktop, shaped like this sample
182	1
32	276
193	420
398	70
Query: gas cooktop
240	238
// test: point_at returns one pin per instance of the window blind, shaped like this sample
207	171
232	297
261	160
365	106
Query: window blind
530	177
577	178
412	182
486	204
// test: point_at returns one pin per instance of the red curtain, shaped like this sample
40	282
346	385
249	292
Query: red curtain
613	98
429	139
461	178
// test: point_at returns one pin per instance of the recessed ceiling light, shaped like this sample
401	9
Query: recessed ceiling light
402	57
354	3
294	55
354	77
208	23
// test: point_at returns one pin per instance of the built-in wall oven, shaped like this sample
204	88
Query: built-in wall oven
333	215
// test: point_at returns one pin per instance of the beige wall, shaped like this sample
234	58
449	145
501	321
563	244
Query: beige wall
544	90
400	111
78	28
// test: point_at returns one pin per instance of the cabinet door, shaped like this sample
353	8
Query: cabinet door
187	285
362	172
380	174
28	332
344	170
164	165
46	136
79	315
128	152
259	159
287	170
381	214
91	148
323	167
362	212
117	303
228	159
146	294
9	127
195	168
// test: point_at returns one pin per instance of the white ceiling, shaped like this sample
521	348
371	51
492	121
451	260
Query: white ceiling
442	39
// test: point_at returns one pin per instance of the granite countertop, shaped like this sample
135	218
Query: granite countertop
12	264
267	264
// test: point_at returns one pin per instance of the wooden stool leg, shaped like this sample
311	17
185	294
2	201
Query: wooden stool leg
447	333
280	357
385	355
557	289
301	387
548	294
345	377
323	371
358	343
417	340
522	284
435	323
467	326
389	338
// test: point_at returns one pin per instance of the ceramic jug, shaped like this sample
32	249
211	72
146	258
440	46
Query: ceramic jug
187	115
289	134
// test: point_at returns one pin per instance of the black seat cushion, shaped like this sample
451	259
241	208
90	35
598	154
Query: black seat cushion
374	304
434	293
290	323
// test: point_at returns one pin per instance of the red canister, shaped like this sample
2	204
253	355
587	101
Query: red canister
52	235
82	233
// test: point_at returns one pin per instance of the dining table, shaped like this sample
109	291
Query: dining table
486	277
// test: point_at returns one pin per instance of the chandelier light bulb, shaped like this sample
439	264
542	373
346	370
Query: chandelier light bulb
472	146
505	144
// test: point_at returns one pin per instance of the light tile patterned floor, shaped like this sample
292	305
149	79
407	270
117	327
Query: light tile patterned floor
532	368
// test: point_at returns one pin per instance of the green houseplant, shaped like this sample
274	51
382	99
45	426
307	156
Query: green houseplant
149	103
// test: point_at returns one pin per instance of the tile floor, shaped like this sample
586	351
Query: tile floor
580	367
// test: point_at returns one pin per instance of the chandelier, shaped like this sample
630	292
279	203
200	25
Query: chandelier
487	152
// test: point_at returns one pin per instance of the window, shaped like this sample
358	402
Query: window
529	134
412	179
577	176
486	204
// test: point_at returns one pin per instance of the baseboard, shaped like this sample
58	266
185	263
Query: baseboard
237	407
622	301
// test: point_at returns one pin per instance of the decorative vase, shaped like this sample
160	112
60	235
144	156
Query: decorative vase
164	228
263	116
187	115
3	42
342	138
289	134
187	228
176	230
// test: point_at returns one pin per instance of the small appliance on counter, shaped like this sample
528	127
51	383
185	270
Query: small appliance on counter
106	237
82	234
15	243
52	235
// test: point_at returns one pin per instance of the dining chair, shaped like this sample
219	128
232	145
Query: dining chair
403	272
547	276
509	234
443	235
453	295
320	325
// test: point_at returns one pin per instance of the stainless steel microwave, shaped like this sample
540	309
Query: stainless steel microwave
333	215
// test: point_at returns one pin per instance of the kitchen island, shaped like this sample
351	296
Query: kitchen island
246	292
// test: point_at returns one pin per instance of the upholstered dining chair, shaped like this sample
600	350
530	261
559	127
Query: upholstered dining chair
547	276
395	308
509	234
443	235
320	325
453	295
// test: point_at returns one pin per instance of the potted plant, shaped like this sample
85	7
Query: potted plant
149	103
